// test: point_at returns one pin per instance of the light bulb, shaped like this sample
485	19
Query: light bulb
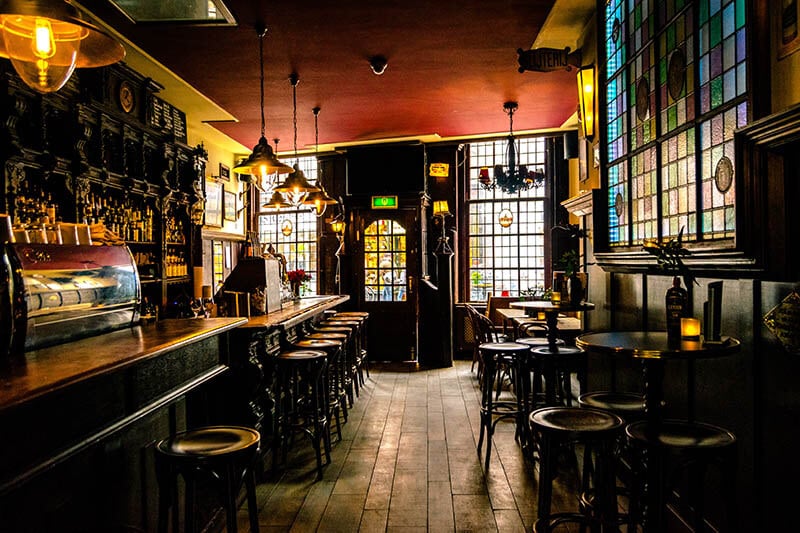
43	51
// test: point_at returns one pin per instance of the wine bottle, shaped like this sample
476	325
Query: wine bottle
677	303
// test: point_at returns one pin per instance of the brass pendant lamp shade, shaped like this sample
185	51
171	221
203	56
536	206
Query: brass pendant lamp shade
318	200
277	201
263	160
46	40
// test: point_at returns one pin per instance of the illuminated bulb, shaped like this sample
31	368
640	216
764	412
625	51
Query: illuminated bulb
43	51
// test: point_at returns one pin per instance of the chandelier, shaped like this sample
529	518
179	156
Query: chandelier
517	177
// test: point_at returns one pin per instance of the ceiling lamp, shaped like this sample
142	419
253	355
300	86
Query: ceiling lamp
296	187
517	178
262	161
277	201
318	200
47	39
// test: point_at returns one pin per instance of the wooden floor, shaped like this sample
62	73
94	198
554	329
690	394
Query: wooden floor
408	462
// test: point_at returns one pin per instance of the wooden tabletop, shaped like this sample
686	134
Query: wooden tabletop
655	345
296	312
548	307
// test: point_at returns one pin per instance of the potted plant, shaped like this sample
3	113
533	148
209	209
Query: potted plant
575	280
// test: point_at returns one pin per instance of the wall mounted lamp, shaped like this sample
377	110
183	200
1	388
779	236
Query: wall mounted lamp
442	210
586	92
47	39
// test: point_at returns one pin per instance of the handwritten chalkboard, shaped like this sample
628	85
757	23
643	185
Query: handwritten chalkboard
166	118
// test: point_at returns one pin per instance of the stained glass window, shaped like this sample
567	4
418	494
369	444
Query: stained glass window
385	277
676	90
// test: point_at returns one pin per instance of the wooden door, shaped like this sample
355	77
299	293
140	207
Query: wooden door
386	271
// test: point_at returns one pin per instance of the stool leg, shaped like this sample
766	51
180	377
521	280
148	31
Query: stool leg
252	502
229	494
190	503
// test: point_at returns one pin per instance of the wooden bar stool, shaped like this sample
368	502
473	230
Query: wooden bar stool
302	398
494	357
671	447
347	362
559	428
364	317
334	348
558	365
355	357
223	455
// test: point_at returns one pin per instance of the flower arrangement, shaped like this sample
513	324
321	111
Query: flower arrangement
669	257
298	277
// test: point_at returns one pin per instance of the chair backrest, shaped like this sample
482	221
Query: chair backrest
481	326
493	303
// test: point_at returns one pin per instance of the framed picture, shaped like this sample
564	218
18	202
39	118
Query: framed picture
224	172
229	206
213	203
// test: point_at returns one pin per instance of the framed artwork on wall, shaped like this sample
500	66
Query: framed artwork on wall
224	172
229	206
213	203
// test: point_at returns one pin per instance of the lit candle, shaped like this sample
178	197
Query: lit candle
556	297
540	315
690	328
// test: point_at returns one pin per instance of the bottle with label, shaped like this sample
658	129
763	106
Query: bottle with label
677	304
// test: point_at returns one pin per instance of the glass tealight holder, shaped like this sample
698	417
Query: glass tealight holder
690	328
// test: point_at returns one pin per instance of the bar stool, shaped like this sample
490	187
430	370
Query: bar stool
364	317
558	365
224	455
557	428
533	371
669	447
348	361
355	357
509	355
334	347
302	398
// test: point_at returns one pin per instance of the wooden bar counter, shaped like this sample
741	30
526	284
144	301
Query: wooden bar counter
79	420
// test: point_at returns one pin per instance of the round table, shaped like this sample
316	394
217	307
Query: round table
653	348
551	311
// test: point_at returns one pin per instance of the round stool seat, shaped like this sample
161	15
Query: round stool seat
210	442
680	434
623	403
503	347
539	342
309	343
575	420
558	350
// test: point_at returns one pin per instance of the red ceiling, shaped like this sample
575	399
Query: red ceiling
451	65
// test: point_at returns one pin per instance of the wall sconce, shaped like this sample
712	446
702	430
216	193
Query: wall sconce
337	226
47	40
586	94
442	210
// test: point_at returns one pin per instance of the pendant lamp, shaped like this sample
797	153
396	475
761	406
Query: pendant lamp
277	201
262	161
47	39
318	200
296	187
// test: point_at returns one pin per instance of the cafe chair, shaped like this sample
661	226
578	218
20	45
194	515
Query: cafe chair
557	430
222	456
667	450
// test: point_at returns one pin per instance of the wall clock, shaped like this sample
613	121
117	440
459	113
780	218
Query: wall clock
127	96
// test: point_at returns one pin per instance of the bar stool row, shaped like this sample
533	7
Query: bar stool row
318	376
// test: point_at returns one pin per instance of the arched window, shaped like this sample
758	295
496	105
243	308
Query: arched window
385	273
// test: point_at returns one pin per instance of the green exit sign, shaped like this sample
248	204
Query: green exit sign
384	202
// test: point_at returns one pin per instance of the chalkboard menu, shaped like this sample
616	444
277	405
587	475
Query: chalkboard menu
163	117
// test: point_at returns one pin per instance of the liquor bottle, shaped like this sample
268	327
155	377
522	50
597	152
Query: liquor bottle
677	304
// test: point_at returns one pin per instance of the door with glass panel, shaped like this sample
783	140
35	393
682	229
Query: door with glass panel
386	268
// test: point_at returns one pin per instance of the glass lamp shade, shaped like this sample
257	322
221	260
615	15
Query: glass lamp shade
586	100
261	162
440	208
46	41
337	226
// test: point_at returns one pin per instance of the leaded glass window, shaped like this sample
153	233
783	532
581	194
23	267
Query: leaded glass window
675	92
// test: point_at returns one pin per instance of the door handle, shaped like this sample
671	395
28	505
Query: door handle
411	284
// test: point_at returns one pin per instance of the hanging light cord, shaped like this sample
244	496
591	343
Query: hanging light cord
261	34
294	79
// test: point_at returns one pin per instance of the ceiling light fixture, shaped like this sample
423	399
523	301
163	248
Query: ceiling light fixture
296	187
262	161
518	177
378	64
319	200
47	39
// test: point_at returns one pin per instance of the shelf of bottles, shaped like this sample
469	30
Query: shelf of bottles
176	260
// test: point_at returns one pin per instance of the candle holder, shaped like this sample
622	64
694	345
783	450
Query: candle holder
690	328
555	297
